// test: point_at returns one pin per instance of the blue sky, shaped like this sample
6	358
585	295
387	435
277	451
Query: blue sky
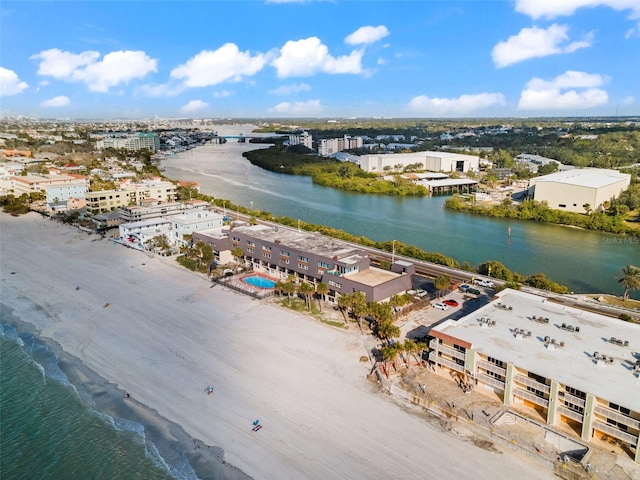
319	58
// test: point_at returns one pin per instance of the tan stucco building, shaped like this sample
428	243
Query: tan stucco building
571	190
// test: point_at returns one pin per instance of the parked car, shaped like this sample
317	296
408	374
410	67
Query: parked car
474	291
421	293
440	305
483	283
451	303
464	287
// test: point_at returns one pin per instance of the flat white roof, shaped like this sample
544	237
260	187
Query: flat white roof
573	364
585	177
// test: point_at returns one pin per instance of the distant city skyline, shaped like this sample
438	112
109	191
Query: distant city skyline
319	58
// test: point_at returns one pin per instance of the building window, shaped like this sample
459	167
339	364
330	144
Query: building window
536	392
249	250
266	249
537	378
622	410
576	393
285	254
334	284
303	259
303	266
459	348
324	265
250	243
495	361
266	254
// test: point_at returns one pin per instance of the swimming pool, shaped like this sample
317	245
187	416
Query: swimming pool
259	281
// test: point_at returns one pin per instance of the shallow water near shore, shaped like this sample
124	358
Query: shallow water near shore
59	420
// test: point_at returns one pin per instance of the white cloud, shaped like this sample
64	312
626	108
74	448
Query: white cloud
222	93
556	8
59	101
367	35
309	108
193	106
114	69
10	83
457	106
633	32
310	56
227	63
571	90
291	89
536	42
628	100
61	65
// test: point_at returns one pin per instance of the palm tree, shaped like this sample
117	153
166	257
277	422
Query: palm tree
629	279
306	289
442	283
344	301
237	253
321	289
359	307
389	354
410	347
289	287
387	330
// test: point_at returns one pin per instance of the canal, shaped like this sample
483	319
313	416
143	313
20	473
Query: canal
585	261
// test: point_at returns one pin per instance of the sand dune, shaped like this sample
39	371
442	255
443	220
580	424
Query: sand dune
163	333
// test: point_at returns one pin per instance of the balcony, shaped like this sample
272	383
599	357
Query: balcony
572	399
449	364
618	417
491	367
451	352
530	382
543	402
488	380
616	433
572	414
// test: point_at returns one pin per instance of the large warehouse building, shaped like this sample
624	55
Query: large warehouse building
573	190
558	364
431	161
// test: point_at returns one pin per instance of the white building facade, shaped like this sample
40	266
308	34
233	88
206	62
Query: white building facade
432	161
580	189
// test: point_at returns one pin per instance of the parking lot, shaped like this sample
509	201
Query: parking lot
417	324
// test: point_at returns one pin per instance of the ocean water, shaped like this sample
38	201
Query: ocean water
51	429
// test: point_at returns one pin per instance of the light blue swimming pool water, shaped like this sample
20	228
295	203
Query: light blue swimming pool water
258	281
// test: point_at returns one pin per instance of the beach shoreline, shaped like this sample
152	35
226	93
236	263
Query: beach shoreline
149	327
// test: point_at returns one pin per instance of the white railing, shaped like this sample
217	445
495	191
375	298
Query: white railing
618	417
494	382
567	412
530	382
491	367
543	402
614	432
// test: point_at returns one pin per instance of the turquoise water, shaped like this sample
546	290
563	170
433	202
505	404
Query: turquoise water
60	421
258	281
47	431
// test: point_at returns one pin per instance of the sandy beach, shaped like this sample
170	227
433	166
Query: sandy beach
162	333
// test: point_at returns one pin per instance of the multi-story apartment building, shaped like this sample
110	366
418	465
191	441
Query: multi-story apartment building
148	209
329	146
132	194
559	364
303	138
313	258
62	186
132	142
